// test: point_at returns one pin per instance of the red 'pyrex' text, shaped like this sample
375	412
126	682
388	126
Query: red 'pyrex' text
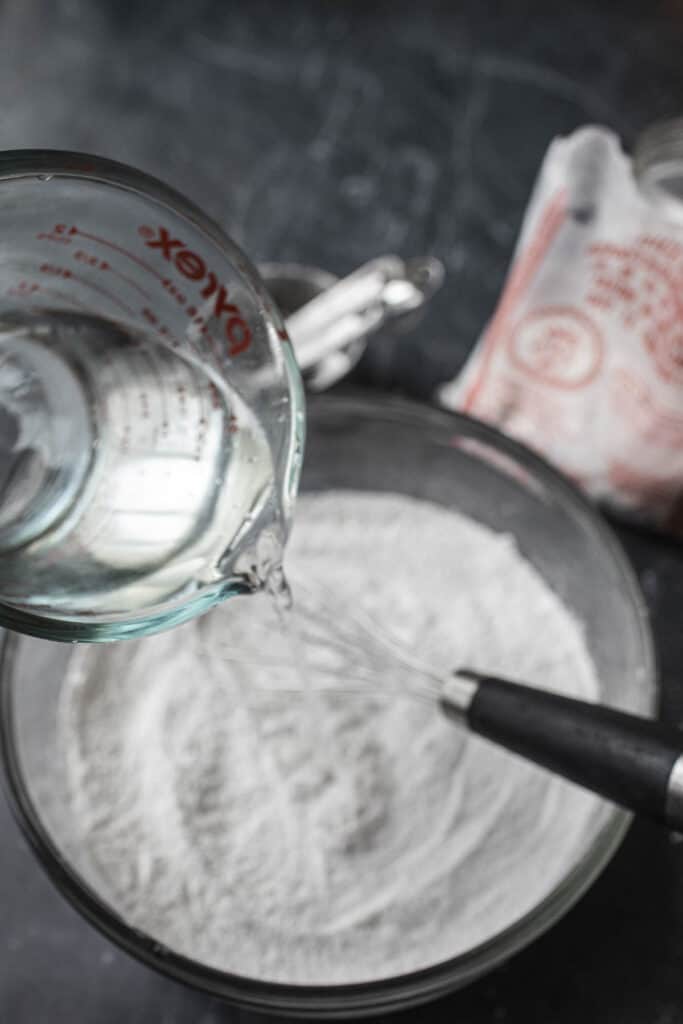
193	267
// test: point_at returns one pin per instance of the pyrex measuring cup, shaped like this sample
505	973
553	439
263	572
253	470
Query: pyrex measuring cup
151	410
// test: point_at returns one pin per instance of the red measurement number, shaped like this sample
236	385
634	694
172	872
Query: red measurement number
58	233
54	271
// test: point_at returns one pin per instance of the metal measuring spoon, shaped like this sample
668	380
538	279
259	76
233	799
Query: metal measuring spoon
330	320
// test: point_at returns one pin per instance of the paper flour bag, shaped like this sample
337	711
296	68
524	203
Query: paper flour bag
583	359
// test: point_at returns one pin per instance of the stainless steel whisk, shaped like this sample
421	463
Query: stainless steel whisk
633	761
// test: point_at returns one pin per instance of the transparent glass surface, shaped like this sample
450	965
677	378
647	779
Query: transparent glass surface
151	410
372	444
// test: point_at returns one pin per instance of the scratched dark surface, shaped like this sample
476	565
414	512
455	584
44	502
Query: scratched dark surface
327	133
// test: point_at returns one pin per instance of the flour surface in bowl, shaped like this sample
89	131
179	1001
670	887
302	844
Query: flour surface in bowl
229	808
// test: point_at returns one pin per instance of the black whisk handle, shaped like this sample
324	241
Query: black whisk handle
636	762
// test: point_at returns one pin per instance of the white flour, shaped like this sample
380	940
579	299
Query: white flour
329	838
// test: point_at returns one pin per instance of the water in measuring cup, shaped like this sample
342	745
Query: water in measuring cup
129	474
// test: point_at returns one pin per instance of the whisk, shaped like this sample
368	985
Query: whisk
633	761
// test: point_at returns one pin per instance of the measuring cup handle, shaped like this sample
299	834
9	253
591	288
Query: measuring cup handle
633	761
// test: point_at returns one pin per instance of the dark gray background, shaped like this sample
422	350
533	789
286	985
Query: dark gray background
328	133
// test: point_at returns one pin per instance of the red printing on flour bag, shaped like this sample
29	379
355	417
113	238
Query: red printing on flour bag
583	358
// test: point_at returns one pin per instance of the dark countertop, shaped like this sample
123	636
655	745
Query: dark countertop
328	133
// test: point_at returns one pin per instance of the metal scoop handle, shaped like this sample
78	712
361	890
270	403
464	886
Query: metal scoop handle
361	303
636	762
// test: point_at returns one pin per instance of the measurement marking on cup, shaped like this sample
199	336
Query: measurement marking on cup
57	271
190	264
65	234
120	249
23	289
95	263
26	288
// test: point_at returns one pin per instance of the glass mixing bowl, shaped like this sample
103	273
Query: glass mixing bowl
375	444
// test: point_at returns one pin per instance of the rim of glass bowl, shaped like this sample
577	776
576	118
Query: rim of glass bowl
394	993
19	164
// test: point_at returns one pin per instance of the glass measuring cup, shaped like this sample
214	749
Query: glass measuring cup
151	408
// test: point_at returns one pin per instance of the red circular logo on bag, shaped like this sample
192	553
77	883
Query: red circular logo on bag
557	345
666	348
